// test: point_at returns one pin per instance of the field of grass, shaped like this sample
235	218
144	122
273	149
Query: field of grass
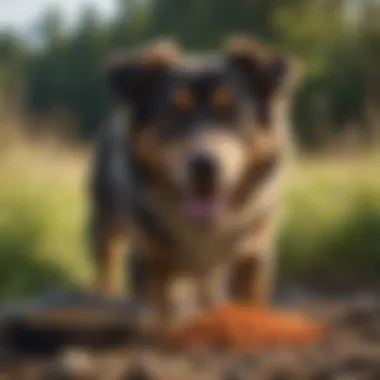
331	226
42	219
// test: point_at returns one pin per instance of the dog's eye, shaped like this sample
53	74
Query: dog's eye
221	98
223	105
182	100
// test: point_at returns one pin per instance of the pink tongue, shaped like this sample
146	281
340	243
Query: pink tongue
202	208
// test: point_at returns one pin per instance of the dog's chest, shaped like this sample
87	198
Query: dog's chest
199	251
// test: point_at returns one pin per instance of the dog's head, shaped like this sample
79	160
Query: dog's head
197	124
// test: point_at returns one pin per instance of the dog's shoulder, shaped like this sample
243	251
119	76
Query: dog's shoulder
108	174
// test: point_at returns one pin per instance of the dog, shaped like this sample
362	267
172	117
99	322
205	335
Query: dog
188	170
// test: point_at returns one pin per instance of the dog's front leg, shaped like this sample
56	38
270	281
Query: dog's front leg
212	288
253	272
252	280
159	299
109	246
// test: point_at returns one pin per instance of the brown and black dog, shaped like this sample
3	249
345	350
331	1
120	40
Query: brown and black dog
189	167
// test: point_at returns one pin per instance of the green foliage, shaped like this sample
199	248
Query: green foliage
340	53
13	59
342	84
68	74
330	229
41	228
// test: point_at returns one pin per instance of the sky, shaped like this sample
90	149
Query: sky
21	15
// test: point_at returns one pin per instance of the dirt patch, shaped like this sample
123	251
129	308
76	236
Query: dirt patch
350	351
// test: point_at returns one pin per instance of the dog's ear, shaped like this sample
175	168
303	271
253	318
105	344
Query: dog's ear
265	70
131	75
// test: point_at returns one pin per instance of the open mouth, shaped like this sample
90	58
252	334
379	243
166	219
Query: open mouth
203	202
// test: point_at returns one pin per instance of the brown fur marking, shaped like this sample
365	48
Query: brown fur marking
147	148
158	53
183	100
250	283
221	97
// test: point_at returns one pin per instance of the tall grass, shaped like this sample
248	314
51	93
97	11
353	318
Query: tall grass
42	219
331	228
330	231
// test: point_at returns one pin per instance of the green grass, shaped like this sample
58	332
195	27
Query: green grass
42	221
331	225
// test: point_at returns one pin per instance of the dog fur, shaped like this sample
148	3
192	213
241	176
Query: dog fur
233	105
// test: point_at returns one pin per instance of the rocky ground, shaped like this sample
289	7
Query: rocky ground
29	350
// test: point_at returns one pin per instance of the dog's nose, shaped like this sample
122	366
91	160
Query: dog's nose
202	167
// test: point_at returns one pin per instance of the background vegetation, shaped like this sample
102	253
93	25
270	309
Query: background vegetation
55	88
338	40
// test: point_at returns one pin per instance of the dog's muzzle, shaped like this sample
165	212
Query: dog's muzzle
203	193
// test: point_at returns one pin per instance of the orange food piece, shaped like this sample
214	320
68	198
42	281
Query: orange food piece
243	327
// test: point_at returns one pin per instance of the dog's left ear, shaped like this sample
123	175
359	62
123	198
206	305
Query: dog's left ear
266	71
132	75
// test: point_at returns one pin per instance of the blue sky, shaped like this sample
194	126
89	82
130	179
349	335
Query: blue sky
22	14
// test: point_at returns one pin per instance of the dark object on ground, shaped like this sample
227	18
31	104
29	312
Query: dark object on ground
51	322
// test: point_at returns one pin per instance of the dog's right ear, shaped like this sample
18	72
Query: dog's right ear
132	75
265	70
